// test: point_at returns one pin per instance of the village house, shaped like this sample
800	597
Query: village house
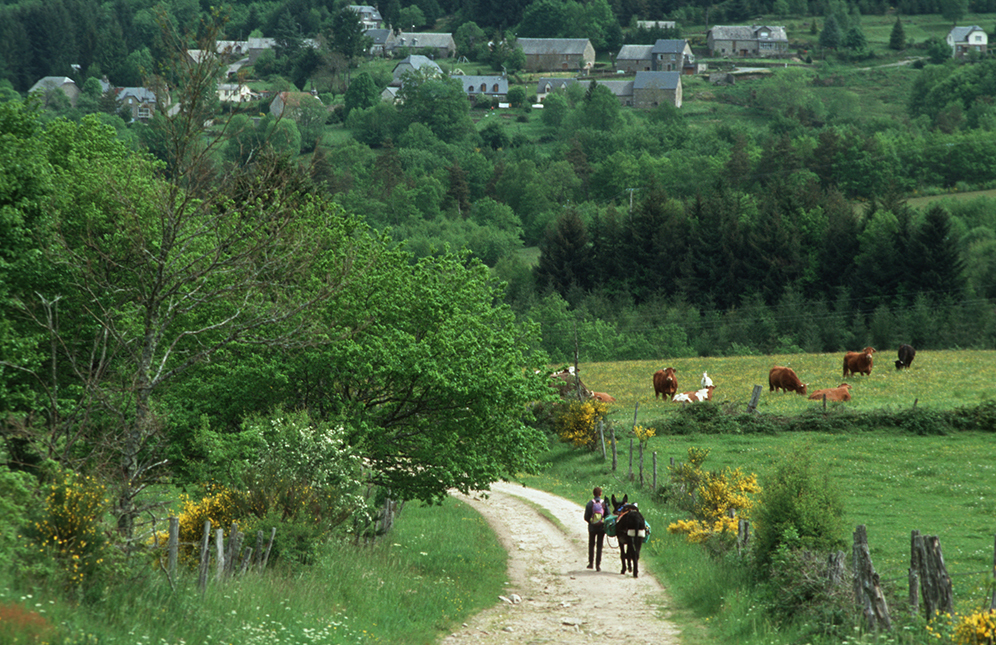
672	55
755	41
546	85
140	102
289	103
415	63
634	58
382	41
49	84
557	54
963	40
442	44
235	93
495	87
370	18
651	89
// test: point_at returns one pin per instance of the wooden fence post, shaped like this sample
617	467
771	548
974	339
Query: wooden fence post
219	545
914	574
992	604
935	583
205	557
631	458
173	545
266	555
615	456
755	396
641	464
601	436
743	535
867	591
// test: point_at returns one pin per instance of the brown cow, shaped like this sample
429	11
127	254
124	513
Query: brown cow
785	379
840	393
603	397
855	362
566	384
705	394
665	383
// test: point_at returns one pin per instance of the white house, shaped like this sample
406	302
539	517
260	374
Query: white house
963	40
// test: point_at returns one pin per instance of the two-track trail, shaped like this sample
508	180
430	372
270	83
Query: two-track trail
561	600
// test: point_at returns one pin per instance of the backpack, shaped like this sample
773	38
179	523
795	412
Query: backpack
597	512
610	525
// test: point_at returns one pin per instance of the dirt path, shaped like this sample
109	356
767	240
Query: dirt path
554	597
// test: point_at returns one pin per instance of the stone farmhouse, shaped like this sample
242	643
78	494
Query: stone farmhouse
666	55
557	54
740	41
494	87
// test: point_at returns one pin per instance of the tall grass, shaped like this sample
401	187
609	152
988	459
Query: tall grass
439	566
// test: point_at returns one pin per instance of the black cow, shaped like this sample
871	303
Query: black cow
906	354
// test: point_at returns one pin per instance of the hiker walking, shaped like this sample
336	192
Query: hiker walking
594	515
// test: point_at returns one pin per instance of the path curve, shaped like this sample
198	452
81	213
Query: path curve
555	598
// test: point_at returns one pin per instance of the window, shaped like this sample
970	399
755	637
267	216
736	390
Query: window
484	87
495	88
144	112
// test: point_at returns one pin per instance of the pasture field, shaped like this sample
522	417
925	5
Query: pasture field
891	480
938	380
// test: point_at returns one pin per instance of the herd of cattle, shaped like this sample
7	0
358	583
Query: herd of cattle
779	378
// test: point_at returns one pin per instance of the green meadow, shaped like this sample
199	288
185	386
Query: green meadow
940	380
891	480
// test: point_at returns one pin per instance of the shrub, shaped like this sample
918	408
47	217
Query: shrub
804	589
71	530
719	501
976	629
800	506
577	422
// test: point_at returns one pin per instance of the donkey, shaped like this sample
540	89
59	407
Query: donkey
631	528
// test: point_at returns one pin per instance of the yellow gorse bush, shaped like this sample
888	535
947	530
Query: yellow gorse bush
644	434
577	422
721	499
218	506
72	526
976	629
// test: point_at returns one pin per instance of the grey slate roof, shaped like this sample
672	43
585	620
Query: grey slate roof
475	82
426	39
618	88
554	83
378	36
657	80
668	46
52	82
960	34
634	52
563	46
744	32
141	94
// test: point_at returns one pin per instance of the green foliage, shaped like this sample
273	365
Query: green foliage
800	507
362	93
17	491
897	37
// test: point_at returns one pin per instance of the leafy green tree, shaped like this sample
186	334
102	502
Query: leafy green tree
362	93
471	40
546	19
938	51
439	103
897	37
555	110
953	10
375	125
854	39
411	17
517	96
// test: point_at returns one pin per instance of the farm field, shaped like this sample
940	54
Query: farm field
939	380
891	481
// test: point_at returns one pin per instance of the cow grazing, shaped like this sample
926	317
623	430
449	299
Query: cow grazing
665	383
906	354
785	379
705	394
566	383
840	393
706	381
603	397
859	362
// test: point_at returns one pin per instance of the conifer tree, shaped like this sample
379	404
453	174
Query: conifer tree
897	39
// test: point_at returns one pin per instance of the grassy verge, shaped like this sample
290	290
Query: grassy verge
407	588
